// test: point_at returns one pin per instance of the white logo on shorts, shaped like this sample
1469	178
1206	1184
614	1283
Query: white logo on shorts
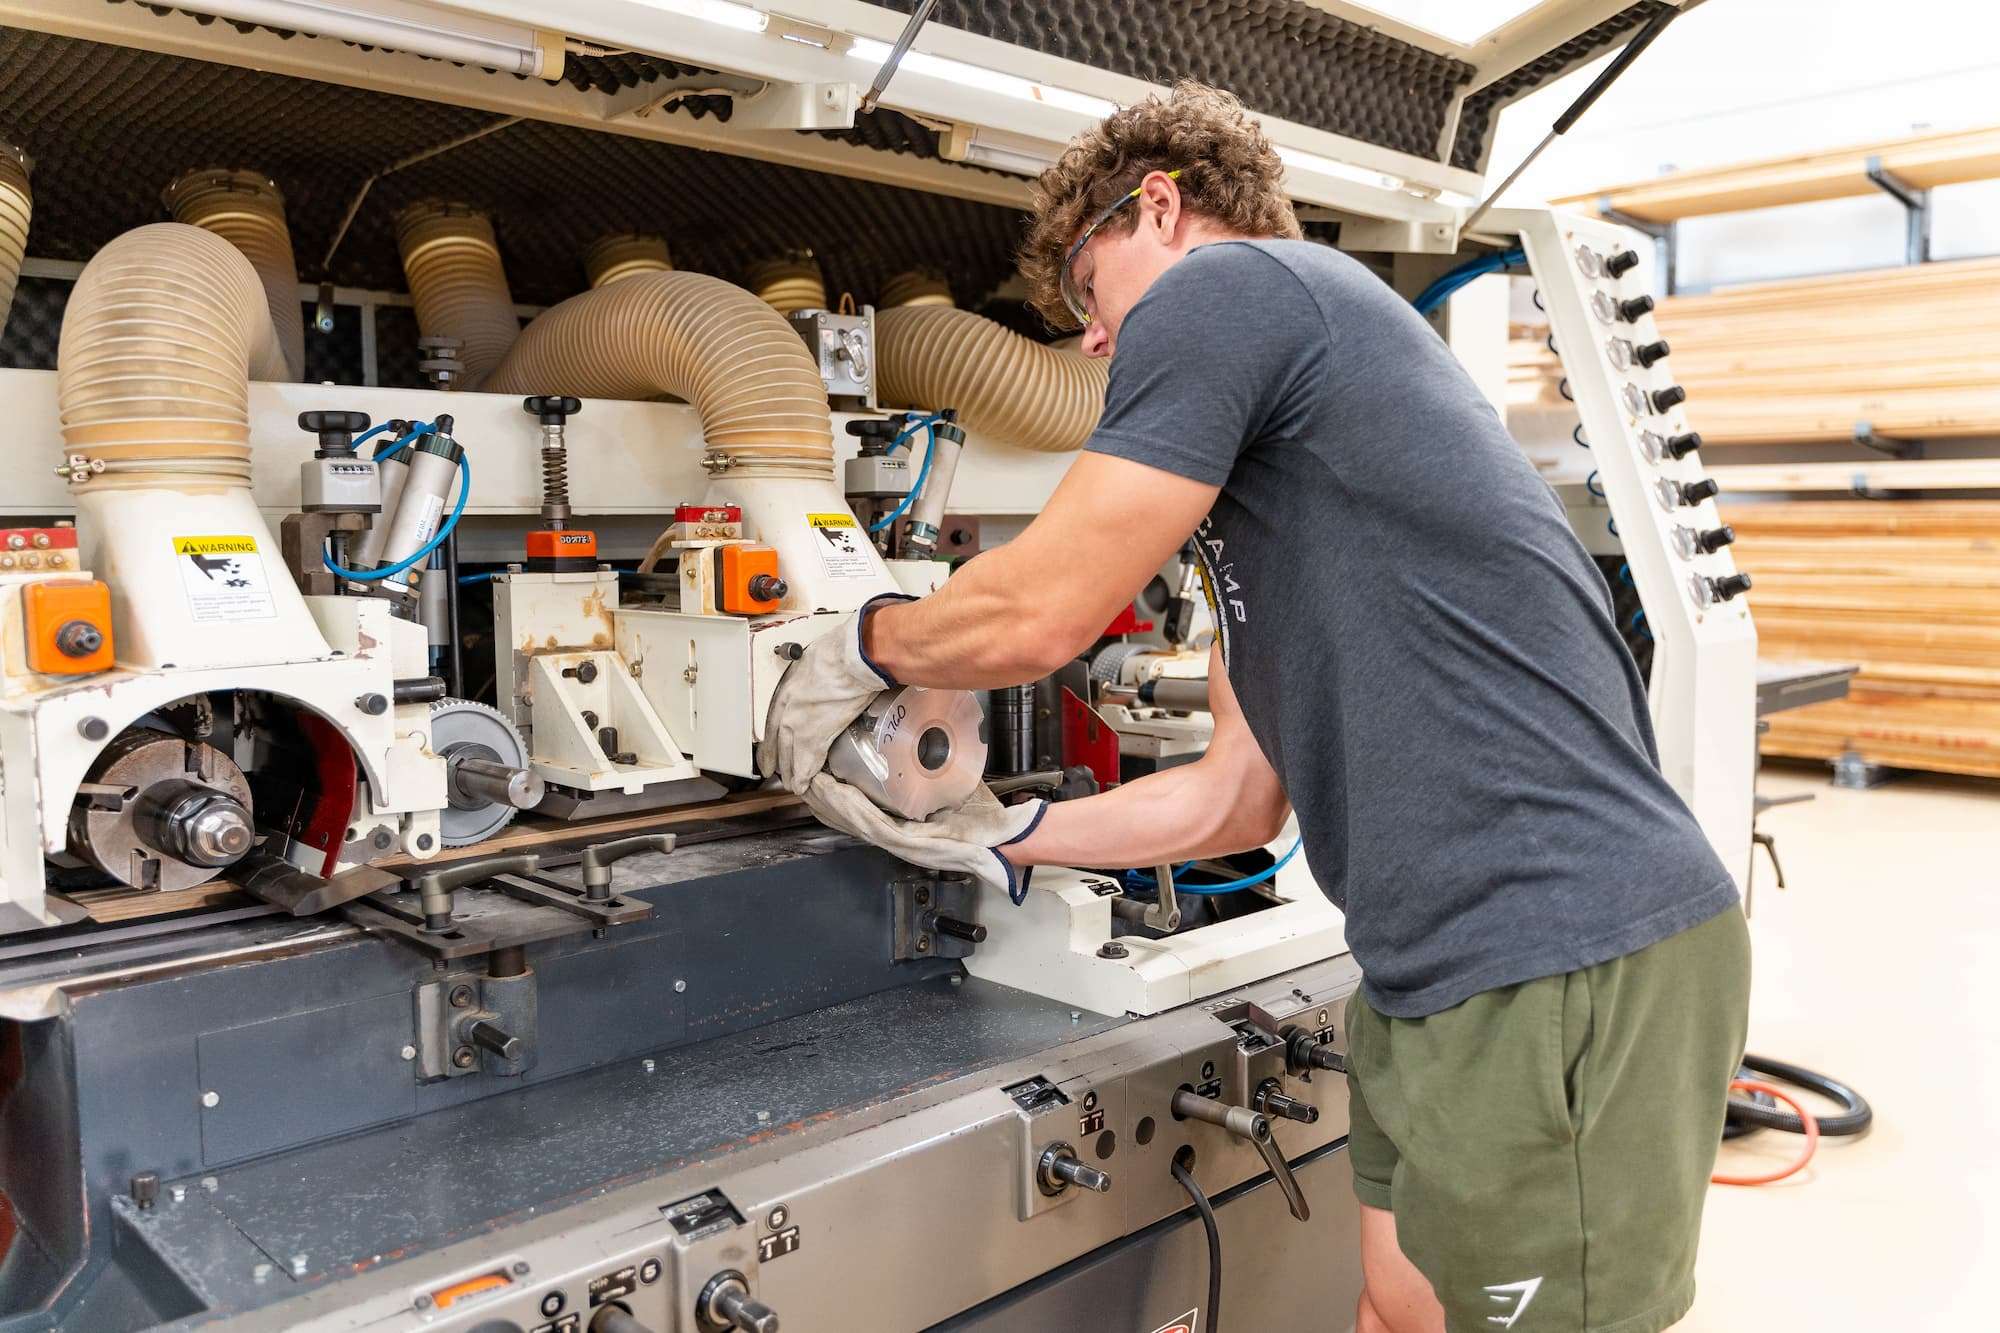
1519	1292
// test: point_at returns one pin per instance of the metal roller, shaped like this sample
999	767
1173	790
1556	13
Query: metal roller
914	751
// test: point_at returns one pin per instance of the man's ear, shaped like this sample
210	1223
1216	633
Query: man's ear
1160	205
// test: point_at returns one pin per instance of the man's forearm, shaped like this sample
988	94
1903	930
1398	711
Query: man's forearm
1178	814
981	631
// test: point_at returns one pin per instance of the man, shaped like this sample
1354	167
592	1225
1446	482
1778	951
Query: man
1417	657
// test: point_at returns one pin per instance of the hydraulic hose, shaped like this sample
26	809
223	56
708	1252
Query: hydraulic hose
17	204
164	330
699	338
788	284
613	257
1806	1122
1003	385
1761	1113
1213	1323
248	211
453	266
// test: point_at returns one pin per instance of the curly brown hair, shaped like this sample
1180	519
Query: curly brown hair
1229	172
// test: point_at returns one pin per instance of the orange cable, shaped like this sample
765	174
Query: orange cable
1805	1117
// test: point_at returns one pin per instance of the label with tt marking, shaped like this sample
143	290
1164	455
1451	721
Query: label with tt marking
777	1245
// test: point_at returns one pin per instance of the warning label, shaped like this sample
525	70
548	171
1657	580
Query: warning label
843	547
224	578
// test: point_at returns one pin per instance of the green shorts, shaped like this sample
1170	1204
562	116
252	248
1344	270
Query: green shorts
1546	1147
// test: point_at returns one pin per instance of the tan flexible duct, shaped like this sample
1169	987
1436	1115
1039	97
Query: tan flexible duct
791	283
17	203
453	266
248	211
164	330
736	360
917	287
1002	384
613	257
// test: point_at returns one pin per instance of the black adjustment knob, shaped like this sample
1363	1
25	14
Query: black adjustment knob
552	409
1680	446
1694	492
336	431
78	638
1647	353
1665	398
1729	585
768	588
1620	264
490	1036
867	428
1714	539
1632	308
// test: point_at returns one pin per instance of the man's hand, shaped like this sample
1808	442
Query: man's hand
961	839
818	697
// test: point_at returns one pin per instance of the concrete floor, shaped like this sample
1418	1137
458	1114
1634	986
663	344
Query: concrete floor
1880	965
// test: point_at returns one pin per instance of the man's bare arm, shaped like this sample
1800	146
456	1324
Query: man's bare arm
1020	611
1229	800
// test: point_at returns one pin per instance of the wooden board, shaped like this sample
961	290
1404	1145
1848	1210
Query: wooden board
1925	474
1911	591
1922	161
524	834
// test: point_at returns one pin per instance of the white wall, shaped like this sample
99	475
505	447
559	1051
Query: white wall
1738	80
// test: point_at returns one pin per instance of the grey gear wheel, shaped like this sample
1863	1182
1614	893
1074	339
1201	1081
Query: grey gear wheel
466	729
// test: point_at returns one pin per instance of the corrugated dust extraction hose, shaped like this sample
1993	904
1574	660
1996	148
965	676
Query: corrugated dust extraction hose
248	211
1002	384
699	338
17	204
453	265
613	257
916	287
792	283
165	328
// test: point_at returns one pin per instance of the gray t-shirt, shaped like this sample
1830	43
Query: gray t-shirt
1422	647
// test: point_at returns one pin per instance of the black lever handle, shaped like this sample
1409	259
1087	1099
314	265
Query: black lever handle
435	887
597	860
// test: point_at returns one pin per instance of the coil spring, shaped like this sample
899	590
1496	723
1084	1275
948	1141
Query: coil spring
555	475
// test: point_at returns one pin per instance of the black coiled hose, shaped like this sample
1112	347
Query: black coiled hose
1749	1116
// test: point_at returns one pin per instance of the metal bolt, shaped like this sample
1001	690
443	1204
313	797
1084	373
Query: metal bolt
211	1100
646	1065
463	1057
93	728
1075	1016
421	1301
260	1273
383	838
210	1184
520	1268
957	980
763	1117
923	897
1112	949
178	1193
298	1265
461	997
680	986
923	944
408	1052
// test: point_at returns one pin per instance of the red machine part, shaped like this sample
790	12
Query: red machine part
708	514
31	550
1088	739
334	774
1126	622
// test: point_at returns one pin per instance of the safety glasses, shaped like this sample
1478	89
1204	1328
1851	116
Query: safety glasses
1072	294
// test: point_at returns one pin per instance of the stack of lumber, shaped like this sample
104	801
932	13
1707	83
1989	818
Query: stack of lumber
1911	351
1921	162
1533	371
1910	590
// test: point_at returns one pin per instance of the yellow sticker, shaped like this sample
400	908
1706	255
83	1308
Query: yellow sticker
843	549
831	520
224	579
215	546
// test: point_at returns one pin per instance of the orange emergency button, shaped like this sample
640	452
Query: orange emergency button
446	1297
68	624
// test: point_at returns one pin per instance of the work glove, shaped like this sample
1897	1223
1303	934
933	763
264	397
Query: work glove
818	697
963	839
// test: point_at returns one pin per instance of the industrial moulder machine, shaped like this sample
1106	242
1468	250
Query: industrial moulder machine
434	433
